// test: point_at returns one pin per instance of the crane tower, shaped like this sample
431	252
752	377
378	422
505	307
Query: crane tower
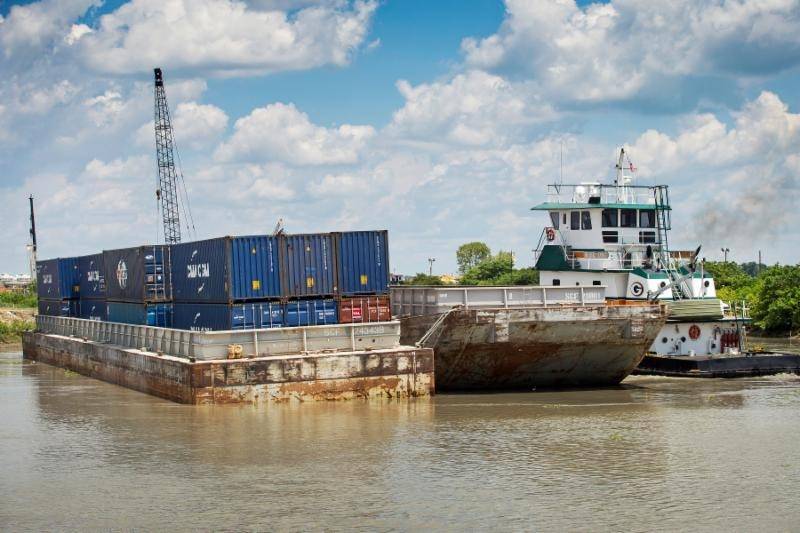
167	192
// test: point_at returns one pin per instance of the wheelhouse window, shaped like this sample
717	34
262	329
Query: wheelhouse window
556	282
610	218
586	220
596	283
564	221
611	236
627	218
647	218
575	220
554	219
647	237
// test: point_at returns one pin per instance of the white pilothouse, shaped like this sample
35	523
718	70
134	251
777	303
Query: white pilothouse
617	236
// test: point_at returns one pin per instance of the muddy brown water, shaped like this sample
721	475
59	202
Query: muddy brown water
655	454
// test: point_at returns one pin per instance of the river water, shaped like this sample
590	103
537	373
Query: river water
654	454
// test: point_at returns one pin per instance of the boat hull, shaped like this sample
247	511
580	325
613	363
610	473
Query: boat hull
525	348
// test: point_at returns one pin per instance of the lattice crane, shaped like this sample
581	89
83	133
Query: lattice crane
167	192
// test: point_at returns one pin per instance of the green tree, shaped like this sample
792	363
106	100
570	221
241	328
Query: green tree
471	254
485	272
423	279
521	276
731	280
776	305
751	268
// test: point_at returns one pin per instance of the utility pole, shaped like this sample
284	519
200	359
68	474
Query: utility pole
758	266
430	265
32	245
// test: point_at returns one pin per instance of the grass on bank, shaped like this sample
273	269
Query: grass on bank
12	331
18	299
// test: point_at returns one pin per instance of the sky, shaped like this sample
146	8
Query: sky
442	122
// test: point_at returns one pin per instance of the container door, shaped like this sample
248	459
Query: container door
255	268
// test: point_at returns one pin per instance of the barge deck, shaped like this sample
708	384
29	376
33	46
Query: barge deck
340	362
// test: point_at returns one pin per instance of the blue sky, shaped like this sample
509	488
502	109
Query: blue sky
441	121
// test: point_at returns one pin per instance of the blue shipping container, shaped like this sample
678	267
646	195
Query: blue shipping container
69	308
311	312
139	274
224	317
58	279
362	262
93	310
226	269
93	276
307	265
153	314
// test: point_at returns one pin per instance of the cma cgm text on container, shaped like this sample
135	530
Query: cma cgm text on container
226	270
58	279
92	277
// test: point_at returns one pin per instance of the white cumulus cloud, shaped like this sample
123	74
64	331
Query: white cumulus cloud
280	131
472	108
225	37
635	48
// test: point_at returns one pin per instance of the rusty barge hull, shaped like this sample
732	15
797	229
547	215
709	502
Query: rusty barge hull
526	348
399	372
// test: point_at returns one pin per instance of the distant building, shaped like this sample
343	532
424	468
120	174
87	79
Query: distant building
450	279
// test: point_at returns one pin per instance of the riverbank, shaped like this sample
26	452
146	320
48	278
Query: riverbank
13	322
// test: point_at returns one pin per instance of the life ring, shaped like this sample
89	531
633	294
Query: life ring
694	332
551	234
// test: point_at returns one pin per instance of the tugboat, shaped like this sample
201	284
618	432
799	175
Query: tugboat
616	236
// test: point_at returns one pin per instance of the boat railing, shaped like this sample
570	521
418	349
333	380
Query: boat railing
427	300
584	193
213	345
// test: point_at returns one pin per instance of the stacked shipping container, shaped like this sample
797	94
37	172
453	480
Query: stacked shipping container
58	286
92	287
240	282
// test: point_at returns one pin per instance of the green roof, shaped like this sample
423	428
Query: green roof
548	206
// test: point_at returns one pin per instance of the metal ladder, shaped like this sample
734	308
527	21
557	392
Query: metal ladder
663	225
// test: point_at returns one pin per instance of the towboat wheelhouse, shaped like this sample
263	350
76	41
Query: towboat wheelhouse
616	235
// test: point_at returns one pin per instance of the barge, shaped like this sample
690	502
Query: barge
521	338
720	366
255	366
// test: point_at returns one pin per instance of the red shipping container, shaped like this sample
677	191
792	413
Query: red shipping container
361	309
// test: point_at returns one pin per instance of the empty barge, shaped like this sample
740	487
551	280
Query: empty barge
245	366
518	338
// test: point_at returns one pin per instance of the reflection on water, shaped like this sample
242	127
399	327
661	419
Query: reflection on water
657	453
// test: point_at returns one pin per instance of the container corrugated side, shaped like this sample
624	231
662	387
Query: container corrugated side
92	277
68	308
307	265
255	268
58	279
200	271
362	261
226	269
362	309
316	312
151	314
139	274
224	317
94	309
